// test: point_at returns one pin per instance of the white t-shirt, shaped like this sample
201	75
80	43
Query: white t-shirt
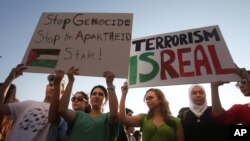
31	121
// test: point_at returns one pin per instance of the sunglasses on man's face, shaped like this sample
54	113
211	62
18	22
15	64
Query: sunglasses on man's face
241	82
80	99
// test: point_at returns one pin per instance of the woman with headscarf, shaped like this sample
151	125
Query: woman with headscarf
197	119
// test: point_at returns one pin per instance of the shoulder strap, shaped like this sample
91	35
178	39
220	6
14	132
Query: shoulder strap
185	115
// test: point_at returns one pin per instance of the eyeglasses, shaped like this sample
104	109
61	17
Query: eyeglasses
241	82
81	99
148	98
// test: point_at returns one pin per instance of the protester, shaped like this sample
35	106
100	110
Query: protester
197	121
80	101
158	124
31	117
5	122
59	129
96	125
238	113
122	136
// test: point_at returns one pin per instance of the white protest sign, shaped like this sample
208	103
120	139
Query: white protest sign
191	56
93	42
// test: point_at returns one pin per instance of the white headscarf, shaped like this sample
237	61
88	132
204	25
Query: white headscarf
196	109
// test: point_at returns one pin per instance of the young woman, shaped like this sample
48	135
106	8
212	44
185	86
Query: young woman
197	121
96	125
238	113
80	101
158	124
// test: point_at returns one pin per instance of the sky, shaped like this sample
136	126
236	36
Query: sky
150	17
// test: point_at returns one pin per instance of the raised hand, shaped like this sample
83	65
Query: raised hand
59	76
242	72
124	88
109	77
17	71
72	71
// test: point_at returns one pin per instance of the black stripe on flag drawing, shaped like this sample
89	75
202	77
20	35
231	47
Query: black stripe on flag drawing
43	58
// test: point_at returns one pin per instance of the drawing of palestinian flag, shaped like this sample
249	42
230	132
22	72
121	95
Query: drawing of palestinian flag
43	58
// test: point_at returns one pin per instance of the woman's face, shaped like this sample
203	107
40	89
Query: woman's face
152	100
78	102
198	96
97	98
244	88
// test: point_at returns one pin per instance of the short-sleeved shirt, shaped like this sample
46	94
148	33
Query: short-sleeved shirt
89	128
163	133
238	113
31	121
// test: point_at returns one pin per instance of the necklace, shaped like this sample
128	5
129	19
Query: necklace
198	120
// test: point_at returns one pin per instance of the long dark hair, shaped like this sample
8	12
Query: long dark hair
103	89
87	108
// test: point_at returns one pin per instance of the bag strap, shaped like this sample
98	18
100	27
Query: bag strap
184	117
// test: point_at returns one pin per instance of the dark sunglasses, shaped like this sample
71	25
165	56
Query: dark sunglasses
148	98
241	82
81	99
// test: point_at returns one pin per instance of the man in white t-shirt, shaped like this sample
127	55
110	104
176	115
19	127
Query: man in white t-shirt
31	117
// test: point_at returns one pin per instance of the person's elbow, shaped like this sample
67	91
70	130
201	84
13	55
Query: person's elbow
122	118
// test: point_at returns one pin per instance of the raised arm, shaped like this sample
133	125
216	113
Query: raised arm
113	102
127	120
15	72
54	117
68	114
216	104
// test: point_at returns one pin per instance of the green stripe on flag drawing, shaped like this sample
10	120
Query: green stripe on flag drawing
43	58
43	63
